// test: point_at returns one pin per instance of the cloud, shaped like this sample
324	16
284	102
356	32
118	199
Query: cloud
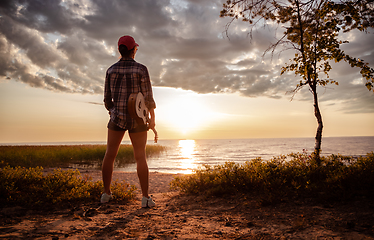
67	46
95	103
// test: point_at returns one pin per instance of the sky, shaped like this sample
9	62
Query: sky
207	84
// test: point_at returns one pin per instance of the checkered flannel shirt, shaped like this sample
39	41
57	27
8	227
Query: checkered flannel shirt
123	78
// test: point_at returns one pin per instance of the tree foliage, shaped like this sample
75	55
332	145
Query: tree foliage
313	30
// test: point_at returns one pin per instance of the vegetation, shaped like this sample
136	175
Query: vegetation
23	182
285	177
29	187
312	30
282	178
64	155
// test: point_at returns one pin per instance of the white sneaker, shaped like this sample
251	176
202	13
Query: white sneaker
105	198
148	202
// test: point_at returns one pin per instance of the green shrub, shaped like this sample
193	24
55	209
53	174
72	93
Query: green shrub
284	177
29	187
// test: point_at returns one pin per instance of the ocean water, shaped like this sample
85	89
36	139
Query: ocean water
183	156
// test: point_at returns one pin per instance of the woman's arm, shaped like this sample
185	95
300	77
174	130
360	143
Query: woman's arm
152	120
108	102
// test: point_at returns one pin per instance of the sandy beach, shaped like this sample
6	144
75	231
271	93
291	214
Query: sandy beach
177	216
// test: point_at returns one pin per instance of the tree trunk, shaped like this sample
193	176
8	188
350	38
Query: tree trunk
317	114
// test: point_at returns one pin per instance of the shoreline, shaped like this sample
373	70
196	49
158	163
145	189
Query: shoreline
150	141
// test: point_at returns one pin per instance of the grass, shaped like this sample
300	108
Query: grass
284	178
30	187
280	179
23	182
65	155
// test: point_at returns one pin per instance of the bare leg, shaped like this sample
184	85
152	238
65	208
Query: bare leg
113	143
139	141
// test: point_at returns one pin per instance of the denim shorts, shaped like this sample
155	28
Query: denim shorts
140	128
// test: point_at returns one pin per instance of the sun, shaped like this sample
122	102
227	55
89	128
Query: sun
187	113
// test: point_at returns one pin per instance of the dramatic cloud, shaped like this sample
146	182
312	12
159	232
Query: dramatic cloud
67	46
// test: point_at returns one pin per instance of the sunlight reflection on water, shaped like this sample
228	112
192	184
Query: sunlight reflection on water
187	151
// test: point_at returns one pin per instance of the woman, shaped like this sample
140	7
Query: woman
123	78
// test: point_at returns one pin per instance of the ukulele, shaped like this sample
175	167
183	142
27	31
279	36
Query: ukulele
138	111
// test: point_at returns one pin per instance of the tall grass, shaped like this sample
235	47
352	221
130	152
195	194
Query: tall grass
65	155
23	182
29	187
285	177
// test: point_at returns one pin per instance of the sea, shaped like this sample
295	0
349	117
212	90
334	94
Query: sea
186	155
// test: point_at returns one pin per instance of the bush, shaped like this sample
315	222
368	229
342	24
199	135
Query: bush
29	187
285	177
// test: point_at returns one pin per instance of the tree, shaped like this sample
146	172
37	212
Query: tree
311	28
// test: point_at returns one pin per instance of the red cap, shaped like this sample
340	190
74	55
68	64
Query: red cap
128	41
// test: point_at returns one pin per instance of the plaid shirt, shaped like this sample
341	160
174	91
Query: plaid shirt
123	78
